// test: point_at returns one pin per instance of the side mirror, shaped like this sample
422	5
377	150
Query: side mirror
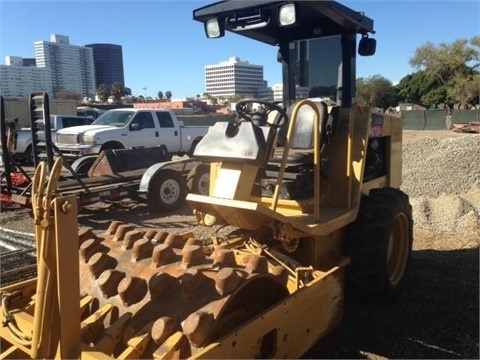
279	57
367	46
135	127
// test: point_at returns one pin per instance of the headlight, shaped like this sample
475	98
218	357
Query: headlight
89	139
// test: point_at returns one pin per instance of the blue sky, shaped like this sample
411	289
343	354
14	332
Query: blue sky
164	49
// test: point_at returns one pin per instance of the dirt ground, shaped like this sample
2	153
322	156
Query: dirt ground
437	316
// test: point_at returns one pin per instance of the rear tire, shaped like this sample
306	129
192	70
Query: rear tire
198	179
193	147
167	191
380	245
28	156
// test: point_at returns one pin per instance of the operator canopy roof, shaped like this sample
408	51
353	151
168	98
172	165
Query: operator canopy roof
275	22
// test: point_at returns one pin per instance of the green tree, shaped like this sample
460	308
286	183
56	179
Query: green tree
437	96
168	95
466	90
376	91
160	95
235	98
127	91
455	66
103	92
68	95
130	99
117	90
414	88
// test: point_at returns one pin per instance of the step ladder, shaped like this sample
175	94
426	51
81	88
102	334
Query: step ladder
41	129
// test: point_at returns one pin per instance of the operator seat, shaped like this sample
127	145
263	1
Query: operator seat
299	167
301	144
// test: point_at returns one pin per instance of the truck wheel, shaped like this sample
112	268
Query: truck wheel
198	179
28	155
113	145
167	191
194	146
379	244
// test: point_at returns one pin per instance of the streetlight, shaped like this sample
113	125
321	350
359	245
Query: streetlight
145	89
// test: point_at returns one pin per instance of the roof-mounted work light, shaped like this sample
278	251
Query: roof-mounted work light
286	15
213	29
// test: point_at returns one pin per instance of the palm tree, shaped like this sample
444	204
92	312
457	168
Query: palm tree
103	91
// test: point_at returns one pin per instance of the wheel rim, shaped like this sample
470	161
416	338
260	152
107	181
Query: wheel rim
204	184
398	246
170	191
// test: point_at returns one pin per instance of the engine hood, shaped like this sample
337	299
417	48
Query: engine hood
86	129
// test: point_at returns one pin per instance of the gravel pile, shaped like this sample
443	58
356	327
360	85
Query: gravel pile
442	177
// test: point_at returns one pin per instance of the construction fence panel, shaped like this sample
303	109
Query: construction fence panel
436	120
413	119
465	116
204	120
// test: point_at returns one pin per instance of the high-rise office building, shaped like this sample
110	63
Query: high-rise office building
275	92
233	77
18	80
70	67
29	62
108	62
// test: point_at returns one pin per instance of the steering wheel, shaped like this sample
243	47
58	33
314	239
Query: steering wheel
259	117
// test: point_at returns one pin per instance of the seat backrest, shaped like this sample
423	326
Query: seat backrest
302	137
242	142
329	125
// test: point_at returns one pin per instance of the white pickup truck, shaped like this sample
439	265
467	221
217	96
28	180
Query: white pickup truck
130	128
23	142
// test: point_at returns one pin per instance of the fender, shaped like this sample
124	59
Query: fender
183	166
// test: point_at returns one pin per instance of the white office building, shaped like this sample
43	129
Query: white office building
19	81
233	77
70	67
275	92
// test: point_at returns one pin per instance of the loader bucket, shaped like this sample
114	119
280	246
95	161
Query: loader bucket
110	162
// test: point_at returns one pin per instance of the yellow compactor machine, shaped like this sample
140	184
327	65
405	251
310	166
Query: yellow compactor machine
309	185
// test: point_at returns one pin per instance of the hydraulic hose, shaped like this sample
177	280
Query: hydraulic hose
18	335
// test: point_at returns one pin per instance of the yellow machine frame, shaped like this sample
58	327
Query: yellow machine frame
301	243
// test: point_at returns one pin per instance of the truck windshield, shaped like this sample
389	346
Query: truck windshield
114	118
